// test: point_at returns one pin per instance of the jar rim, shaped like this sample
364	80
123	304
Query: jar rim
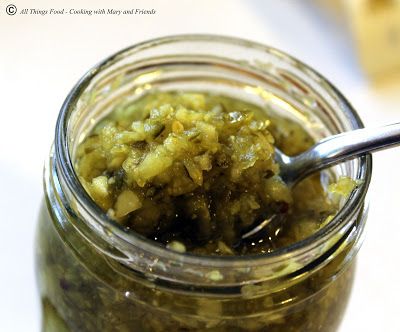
66	170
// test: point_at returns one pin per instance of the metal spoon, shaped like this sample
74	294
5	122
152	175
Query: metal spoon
328	152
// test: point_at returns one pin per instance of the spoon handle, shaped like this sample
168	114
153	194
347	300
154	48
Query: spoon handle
341	147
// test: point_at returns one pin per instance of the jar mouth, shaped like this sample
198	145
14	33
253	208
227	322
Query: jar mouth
66	172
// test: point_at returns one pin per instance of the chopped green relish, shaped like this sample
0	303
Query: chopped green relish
194	171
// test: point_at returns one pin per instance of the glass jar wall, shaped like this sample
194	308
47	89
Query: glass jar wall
94	275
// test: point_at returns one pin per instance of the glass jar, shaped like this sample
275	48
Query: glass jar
94	275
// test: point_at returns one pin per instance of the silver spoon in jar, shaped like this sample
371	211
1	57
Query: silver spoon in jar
328	152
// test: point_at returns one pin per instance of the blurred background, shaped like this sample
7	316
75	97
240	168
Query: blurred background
354	43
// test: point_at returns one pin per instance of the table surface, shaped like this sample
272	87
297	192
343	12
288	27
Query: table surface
41	57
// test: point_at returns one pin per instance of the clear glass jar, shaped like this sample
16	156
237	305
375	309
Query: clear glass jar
94	275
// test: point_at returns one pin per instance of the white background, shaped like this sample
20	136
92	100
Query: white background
41	57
